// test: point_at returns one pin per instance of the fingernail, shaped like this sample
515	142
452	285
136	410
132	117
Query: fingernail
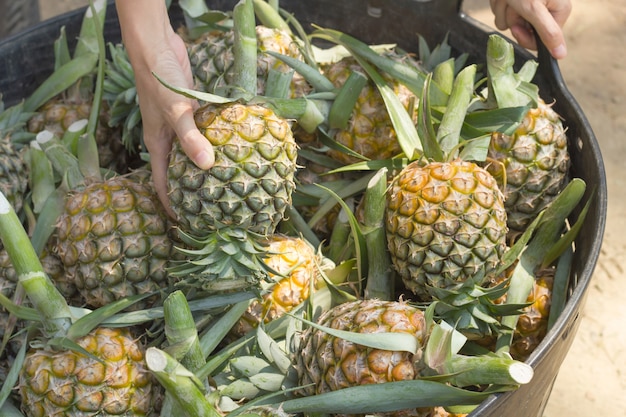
204	160
559	52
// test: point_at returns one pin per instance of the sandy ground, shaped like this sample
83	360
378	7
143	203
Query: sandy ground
593	377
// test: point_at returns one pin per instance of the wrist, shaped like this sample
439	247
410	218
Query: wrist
145	28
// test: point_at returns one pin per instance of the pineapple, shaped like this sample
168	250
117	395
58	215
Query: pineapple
326	362
297	269
531	164
446	224
446	221
111	379
13	170
370	132
251	182
245	193
114	240
225	213
532	324
212	58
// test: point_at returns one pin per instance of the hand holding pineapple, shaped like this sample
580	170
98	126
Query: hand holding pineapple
154	47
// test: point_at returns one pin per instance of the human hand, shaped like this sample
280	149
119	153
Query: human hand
154	48
523	17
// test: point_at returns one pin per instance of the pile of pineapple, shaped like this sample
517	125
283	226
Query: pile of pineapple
382	232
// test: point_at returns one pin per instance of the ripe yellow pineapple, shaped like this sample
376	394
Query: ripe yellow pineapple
532	324
446	225
113	235
298	267
114	240
326	361
112	380
369	132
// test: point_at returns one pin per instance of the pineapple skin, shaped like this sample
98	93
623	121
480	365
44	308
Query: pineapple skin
326	363
59	383
249	186
114	241
531	166
446	224
297	265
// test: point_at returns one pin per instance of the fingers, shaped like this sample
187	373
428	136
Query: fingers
524	17
549	30
499	8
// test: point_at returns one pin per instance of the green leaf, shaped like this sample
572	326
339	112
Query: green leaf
392	341
400	119
87	323
198	95
565	242
503	120
380	398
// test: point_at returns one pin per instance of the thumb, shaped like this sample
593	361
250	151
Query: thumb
195	145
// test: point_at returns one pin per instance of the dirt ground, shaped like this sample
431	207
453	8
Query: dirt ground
593	377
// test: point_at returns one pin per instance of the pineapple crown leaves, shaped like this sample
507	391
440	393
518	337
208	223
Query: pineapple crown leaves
546	242
69	70
507	88
120	92
227	259
471	308
12	123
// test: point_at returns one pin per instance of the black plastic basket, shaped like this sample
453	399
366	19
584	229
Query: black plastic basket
26	60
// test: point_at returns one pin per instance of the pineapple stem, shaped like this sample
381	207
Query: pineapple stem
244	50
42	293
182	336
62	160
184	387
268	15
181	333
340	246
379	273
486	369
91	28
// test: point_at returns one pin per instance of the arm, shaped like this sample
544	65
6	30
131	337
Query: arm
547	17
154	47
